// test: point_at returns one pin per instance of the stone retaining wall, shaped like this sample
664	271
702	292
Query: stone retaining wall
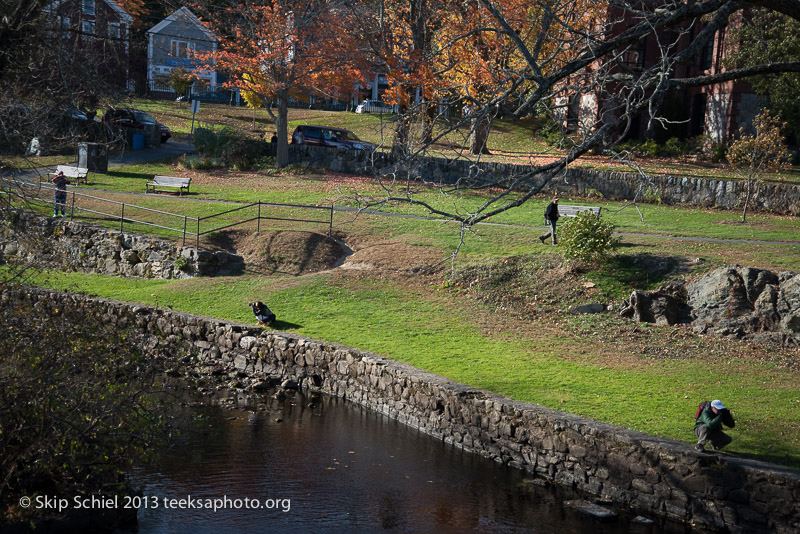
649	474
777	198
77	246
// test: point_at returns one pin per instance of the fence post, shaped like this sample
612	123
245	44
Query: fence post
72	207
197	239
330	227
185	218
122	217
258	220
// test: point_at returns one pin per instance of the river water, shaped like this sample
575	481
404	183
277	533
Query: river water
320	464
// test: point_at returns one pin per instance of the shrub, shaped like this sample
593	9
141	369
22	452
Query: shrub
652	196
245	154
198	161
587	238
650	148
182	264
695	145
674	147
78	405
551	132
718	152
212	141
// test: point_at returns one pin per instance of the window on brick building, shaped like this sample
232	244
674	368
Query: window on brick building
634	56
87	6
707	56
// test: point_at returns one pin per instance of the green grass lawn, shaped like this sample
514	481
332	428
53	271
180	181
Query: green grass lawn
645	392
598	366
317	188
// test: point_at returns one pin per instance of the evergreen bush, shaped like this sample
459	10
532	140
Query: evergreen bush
587	238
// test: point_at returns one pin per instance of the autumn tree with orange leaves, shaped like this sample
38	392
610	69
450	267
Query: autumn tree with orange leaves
397	37
599	68
274	50
481	61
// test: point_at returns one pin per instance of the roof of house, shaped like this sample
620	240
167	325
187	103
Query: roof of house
113	5
183	12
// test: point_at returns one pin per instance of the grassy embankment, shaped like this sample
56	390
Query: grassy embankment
642	377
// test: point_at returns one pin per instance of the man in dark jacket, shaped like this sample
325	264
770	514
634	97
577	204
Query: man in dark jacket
709	426
551	217
60	194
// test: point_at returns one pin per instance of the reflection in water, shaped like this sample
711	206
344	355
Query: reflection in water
341	468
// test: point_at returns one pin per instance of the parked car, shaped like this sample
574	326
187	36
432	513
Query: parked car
133	118
330	137
374	106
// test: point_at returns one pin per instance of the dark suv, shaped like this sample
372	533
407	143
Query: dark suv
330	137
133	118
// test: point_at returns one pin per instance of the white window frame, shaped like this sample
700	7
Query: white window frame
115	30
87	7
175	48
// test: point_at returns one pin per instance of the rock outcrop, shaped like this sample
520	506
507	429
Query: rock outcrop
743	302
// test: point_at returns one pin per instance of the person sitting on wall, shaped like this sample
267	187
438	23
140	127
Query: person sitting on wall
262	313
708	425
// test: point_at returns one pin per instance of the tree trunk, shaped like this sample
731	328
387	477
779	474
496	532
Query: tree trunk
282	127
428	118
400	144
748	194
479	136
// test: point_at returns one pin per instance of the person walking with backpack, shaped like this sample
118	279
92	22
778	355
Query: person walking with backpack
551	217
709	419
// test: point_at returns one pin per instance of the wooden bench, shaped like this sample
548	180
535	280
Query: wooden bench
573	211
170	182
76	174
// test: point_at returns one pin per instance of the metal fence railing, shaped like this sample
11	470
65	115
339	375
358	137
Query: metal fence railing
17	193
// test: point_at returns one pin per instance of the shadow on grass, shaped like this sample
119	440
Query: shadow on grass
246	119
284	325
642	271
783	457
120	174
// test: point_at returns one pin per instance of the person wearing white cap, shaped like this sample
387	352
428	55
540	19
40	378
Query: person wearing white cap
708	426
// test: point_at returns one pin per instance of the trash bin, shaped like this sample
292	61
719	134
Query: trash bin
137	141
152	135
93	156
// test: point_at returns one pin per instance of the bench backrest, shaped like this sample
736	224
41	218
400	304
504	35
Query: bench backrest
171	181
73	172
573	211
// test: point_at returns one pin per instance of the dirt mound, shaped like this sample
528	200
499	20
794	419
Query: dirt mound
283	251
391	258
525	285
